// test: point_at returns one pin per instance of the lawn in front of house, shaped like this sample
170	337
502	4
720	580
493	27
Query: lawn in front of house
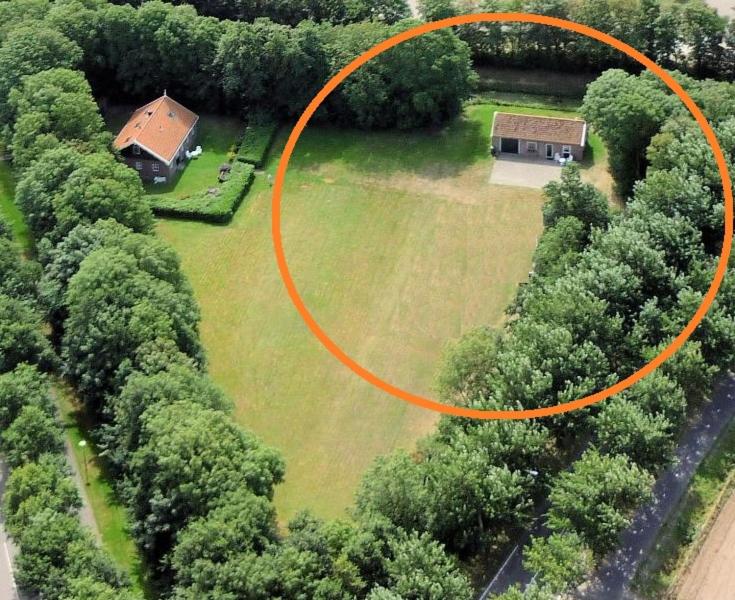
217	136
398	244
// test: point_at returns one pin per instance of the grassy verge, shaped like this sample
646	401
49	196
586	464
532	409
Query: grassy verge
110	514
685	531
213	205
9	210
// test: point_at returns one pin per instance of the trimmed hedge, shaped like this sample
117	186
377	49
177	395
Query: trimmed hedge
207	207
256	142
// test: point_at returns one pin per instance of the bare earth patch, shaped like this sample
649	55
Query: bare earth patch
711	576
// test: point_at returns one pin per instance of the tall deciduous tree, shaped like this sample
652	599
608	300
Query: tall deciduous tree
626	111
571	197
27	50
38	486
190	457
560	561
597	497
115	306
33	432
52	107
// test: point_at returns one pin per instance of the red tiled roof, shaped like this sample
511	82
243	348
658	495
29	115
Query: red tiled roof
159	127
543	129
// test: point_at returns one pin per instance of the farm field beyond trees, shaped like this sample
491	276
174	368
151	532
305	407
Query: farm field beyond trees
398	245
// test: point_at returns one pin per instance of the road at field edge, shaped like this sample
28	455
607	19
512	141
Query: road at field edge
612	579
8	589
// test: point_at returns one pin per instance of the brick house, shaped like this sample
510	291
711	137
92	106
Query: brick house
534	136
155	139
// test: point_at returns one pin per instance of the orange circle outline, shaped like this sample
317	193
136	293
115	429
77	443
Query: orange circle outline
428	403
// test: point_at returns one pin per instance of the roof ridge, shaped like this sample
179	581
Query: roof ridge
502	112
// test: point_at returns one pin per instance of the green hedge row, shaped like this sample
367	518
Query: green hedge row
205	206
256	142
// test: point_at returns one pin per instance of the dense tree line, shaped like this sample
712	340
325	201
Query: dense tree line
238	65
607	292
688	35
624	286
293	12
57	555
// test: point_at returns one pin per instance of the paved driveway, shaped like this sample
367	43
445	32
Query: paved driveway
518	172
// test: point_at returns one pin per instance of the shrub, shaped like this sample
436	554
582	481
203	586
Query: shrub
257	140
205	206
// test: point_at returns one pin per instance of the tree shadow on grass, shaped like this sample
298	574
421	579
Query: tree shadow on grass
435	152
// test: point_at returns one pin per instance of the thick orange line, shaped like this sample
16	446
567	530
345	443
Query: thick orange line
428	403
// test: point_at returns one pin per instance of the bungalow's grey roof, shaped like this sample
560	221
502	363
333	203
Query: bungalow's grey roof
543	129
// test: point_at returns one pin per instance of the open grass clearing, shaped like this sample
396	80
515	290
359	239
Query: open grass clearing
398	244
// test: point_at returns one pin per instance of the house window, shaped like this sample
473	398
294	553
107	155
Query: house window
136	149
138	165
566	151
531	147
156	167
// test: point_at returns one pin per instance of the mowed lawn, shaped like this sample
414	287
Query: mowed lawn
398	244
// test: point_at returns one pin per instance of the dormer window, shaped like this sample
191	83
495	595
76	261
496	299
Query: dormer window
136	149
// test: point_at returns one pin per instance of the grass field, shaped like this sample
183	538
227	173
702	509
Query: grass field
109	513
398	244
9	210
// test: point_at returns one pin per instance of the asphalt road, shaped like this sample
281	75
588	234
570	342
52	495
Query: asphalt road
612	579
512	571
7	551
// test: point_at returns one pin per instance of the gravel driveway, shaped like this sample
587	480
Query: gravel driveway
524	173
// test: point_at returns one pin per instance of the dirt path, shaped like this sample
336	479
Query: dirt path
711	576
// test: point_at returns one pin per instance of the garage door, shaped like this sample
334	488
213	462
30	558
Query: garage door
509	145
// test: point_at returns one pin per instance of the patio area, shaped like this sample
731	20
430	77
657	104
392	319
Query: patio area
520	172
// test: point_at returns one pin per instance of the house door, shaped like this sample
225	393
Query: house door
509	145
549	151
